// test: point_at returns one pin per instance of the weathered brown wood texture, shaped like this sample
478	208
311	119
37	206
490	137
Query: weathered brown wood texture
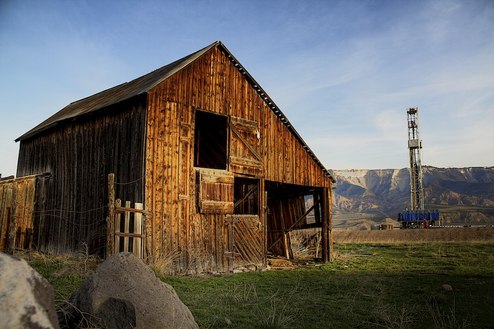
79	155
17	197
260	146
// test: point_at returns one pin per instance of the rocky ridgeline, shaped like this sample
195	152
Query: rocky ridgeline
122	293
466	195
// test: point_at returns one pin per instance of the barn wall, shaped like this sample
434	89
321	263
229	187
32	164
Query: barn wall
211	83
72	208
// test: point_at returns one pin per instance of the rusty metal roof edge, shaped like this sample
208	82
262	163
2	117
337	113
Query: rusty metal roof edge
276	110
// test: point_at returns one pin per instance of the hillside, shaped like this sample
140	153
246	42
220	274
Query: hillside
465	196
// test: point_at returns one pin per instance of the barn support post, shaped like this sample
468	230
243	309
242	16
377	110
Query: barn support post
325	236
284	232
330	214
263	202
229	253
110	220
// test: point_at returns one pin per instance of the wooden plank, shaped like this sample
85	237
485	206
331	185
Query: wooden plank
6	212
118	219
137	242
176	243
110	221
12	229
286	247
216	207
122	210
150	177
167	191
159	183
126	226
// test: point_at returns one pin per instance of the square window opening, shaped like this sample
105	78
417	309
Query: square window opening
210	141
246	196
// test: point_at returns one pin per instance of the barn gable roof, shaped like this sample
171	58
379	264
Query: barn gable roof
148	81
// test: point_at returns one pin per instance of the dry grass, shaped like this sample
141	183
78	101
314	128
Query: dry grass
181	262
70	264
461	234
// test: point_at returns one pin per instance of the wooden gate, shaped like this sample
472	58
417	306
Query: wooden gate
245	244
125	225
129	228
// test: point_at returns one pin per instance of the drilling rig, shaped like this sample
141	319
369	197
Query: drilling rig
415	150
416	216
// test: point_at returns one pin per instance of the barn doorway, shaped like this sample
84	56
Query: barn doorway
294	220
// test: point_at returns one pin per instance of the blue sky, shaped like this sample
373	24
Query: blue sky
343	72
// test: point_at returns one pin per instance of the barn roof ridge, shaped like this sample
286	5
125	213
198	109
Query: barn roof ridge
146	82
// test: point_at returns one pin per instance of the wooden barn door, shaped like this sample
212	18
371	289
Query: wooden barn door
246	233
245	147
245	228
245	241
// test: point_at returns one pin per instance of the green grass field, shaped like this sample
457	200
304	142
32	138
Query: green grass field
367	286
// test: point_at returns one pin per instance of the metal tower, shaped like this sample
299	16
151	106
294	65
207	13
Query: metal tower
415	148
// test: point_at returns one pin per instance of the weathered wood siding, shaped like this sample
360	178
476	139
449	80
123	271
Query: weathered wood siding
79	155
17	198
260	144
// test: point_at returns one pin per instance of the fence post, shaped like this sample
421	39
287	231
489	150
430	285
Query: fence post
110	220
138	242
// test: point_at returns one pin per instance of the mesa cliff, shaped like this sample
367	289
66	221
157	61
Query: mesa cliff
464	196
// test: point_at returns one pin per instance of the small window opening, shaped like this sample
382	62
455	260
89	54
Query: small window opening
211	135
246	196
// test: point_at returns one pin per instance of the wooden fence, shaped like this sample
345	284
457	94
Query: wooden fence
129	225
17	198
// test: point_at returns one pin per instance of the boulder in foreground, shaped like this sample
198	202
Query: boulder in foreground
125	293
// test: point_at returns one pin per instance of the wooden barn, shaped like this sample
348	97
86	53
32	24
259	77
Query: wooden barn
193	163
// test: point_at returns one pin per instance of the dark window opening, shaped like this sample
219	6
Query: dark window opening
246	196
211	135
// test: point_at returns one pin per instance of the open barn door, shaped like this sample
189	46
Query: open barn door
245	227
245	147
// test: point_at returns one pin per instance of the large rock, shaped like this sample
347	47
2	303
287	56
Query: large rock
124	293
26	298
